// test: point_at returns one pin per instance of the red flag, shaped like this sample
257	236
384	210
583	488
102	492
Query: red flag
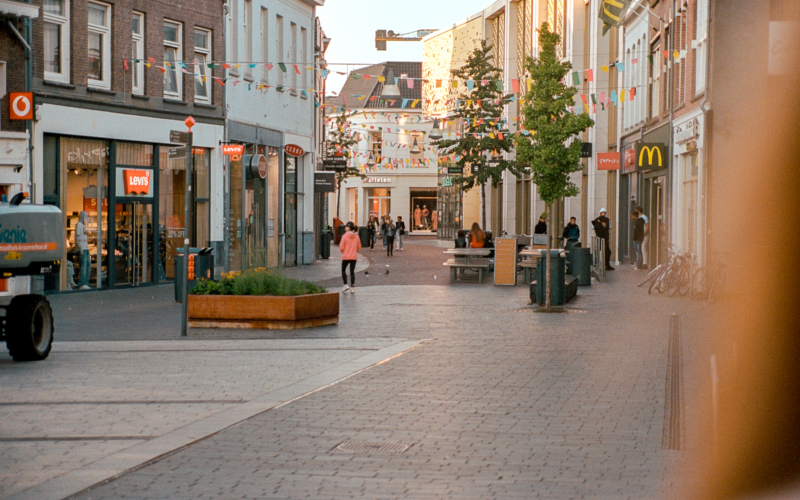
515	85
589	75
296	69
125	63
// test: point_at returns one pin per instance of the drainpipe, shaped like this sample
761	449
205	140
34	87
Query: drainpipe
671	87
226	189
705	108
28	87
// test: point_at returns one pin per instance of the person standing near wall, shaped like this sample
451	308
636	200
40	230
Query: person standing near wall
638	237
602	228
646	240
349	245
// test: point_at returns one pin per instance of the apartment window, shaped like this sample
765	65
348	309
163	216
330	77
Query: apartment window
655	80
56	40
303	57
173	54
99	45
375	146
701	45
293	58
248	38
279	47
233	31
264	44
137	52
202	73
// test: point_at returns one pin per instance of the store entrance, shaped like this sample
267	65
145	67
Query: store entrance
134	245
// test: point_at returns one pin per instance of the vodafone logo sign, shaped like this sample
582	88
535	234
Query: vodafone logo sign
137	182
21	104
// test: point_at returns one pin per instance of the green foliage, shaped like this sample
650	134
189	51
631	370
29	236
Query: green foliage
551	123
258	281
339	144
482	111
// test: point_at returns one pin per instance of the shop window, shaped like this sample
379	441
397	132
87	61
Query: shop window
50	172
202	73
173	54
171	206
85	166
379	202
202	192
56	40
137	53
99	44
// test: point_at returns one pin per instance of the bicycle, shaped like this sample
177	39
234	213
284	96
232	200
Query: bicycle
707	282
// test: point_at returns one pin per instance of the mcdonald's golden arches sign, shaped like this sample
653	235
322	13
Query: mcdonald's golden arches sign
650	156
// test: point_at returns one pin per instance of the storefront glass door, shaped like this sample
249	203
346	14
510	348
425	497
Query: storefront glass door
134	245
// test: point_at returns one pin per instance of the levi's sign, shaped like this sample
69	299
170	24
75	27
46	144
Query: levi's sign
651	156
137	182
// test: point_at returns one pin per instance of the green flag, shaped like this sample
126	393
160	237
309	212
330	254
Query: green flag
611	13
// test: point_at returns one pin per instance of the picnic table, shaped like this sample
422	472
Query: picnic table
527	262
468	258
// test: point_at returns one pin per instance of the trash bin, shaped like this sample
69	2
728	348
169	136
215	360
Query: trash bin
557	276
363	235
582	265
342	229
201	266
325	243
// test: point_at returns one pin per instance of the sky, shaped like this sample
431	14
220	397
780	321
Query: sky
351	26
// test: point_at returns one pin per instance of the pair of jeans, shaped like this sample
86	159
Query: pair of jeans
637	247
646	249
86	268
352	265
389	245
398	237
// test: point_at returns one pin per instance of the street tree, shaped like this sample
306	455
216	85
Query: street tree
551	149
479	150
340	142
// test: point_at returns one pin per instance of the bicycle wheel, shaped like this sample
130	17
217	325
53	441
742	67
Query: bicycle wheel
679	282
651	275
655	281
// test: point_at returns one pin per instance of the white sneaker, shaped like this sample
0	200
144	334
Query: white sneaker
346	288
85	287
353	289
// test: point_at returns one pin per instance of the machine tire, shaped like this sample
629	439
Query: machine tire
29	328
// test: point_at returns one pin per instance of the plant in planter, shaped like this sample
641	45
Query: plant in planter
261	298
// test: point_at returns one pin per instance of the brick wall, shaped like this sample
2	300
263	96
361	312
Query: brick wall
207	14
13	53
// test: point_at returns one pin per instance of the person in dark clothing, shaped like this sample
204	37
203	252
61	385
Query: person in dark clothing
602	228
638	238
389	232
541	226
572	232
461	239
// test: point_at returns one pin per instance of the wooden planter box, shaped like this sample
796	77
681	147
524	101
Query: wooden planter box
263	312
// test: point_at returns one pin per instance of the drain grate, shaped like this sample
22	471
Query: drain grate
371	447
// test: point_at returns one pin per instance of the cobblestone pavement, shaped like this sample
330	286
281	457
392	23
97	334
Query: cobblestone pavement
499	401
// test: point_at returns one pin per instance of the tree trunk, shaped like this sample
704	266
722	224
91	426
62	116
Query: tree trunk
548	277
483	203
338	198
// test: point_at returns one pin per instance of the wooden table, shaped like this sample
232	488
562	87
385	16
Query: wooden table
467	254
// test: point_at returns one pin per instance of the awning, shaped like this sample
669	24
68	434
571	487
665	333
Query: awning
18	9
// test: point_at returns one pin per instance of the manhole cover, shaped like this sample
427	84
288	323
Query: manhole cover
371	447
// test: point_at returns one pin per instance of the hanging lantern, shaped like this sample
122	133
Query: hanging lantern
415	147
436	132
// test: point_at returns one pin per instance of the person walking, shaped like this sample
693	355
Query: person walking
390	232
477	238
372	231
541	226
602	228
572	232
646	240
638	237
400	230
349	245
383	231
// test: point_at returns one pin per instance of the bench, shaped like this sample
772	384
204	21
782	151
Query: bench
527	265
480	265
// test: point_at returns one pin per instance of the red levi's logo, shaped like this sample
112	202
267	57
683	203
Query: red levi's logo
137	181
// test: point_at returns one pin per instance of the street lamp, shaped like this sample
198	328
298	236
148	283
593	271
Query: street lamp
415	147
436	132
390	89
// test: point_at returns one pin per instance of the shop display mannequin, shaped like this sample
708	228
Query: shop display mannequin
82	241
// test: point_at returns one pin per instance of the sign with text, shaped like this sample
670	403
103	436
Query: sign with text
334	164
294	150
455	170
21	105
628	161
178	137
586	150
650	156
177	153
607	161
324	182
137	182
235	151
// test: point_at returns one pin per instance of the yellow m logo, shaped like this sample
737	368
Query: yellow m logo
650	152
613	9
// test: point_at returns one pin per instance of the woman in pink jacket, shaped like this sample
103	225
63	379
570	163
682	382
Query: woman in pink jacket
349	246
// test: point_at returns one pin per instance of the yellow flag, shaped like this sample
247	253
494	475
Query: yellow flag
604	69
622	95
530	84
454	84
381	78
414	104
676	54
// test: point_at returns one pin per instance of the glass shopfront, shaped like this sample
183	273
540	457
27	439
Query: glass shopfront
123	210
290	182
424	214
379	202
449	202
